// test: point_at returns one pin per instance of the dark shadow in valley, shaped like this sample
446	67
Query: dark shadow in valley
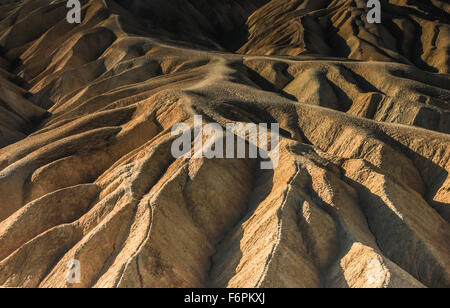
225	263
209	23
266	85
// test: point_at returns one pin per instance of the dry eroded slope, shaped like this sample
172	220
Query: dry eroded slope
360	198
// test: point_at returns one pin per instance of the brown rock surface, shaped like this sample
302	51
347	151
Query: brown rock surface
361	195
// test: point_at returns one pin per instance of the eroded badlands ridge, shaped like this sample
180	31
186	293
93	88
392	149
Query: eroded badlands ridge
360	197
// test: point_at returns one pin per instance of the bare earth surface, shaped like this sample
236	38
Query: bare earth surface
361	195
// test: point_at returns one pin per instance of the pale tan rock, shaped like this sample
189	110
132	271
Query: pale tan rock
360	197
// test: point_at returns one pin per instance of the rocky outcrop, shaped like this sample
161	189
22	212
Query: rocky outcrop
360	197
